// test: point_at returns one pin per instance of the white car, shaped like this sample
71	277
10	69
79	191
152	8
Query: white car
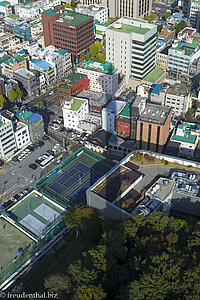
51	93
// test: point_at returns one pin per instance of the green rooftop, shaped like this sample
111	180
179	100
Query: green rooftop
106	68
4	3
25	115
154	75
28	2
76	104
188	48
74	77
4	58
126	112
137	20
13	16
130	29
50	12
185	134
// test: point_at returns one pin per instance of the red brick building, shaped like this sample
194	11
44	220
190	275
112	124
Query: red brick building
75	83
123	122
68	30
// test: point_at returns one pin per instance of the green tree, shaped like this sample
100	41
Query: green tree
98	46
90	292
93	50
19	93
13	96
41	104
73	4
180	26
147	18
2	102
58	283
159	28
85	220
167	15
153	16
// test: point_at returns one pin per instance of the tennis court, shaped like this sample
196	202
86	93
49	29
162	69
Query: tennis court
36	213
74	182
12	241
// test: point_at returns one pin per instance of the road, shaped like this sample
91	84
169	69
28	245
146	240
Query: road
15	177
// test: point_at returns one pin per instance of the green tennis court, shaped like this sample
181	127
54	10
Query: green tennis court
12	240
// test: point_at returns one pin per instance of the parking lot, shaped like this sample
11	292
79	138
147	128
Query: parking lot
15	177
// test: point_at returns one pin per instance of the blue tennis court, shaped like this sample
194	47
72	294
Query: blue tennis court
72	177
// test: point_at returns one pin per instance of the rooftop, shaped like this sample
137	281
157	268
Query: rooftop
106	68
4	58
24	73
28	116
42	64
154	113
129	28
161	188
126	112
76	104
95	99
183	133
188	48
4	3
114	106
156	89
75	77
154	75
179	89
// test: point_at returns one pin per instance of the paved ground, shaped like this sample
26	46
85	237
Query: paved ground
150	173
15	177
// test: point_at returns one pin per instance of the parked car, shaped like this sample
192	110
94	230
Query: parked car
16	196
33	166
7	204
50	152
41	143
46	138
15	159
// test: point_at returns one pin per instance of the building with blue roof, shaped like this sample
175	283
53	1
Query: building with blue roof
35	124
45	68
156	89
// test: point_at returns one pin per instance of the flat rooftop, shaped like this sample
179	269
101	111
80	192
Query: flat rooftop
114	106
24	73
183	134
95	98
76	104
154	75
154	113
161	188
179	89
129	28
106	68
187	48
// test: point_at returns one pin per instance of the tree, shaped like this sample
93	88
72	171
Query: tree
19	93
147	18
159	28
98	46
180	26
90	292
92	50
110	21
2	102
13	96
41	104
58	284
167	15
85	220
73	4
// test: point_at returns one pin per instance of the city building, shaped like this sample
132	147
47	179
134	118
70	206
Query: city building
162	58
123	122
109	114
56	60
75	83
23	31
36	29
123	8
6	84
5	8
184	141
35	124
67	61
29	80
74	111
22	136
117	146
130	46
77	31
96	100
98	12
153	127
194	9
7	137
98	141
103	77
13	64
186	33
178	97
8	41
90	124
166	34
181	56
27	11
45	68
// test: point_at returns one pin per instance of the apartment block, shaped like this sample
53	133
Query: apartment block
68	30
98	12
110	113
123	122
130	46
5	8
75	111
153	127
103	77
11	65
29	80
45	68
194	10
181	56
22	136
7	137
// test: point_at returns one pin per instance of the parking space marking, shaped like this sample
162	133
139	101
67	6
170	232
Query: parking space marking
5	197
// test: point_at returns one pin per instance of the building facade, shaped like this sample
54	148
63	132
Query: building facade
109	114
130	46
102	77
68	30
123	122
29	80
153	127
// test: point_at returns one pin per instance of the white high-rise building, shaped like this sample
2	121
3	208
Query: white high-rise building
124	8
130	46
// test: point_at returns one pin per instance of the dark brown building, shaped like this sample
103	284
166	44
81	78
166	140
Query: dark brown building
68	30
153	127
